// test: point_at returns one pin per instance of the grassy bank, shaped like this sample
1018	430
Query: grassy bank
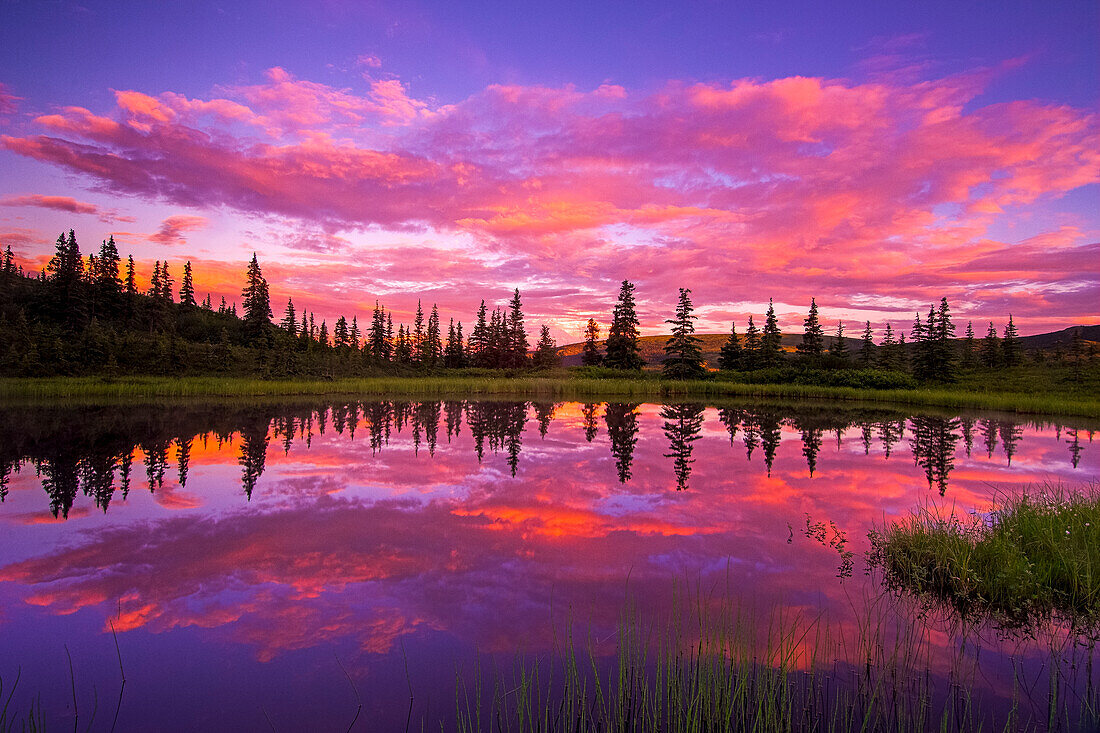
1036	557
557	385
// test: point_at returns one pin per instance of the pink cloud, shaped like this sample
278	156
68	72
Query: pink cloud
173	229
799	186
67	204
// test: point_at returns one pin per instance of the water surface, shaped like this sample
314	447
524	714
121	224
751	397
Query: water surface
272	562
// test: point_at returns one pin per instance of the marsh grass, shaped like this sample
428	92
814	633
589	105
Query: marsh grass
560	384
1034	558
717	668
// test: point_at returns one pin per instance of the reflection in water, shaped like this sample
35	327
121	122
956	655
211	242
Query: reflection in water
375	527
682	425
73	459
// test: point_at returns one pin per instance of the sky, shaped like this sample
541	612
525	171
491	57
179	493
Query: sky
874	156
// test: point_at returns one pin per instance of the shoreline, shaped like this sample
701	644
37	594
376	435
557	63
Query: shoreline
138	389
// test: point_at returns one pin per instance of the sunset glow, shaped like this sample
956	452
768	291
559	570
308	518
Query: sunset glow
403	152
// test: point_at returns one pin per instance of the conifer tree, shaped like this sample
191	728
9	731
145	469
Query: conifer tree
418	346
944	351
516	339
340	333
154	282
770	339
106	275
546	354
290	319
256	301
1011	353
165	293
867	347
453	356
187	287
354	336
322	334
621	348
750	357
684	357
478	341
433	352
131	278
591	355
887	355
813	337
730	357
838	349
969	354
402	352
991	348
379	338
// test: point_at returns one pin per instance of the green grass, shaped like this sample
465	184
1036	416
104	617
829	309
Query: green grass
561	384
1036	557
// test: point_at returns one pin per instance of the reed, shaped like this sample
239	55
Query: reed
714	667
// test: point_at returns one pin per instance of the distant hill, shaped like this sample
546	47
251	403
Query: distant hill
652	348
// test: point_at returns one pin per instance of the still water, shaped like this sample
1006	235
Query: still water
275	565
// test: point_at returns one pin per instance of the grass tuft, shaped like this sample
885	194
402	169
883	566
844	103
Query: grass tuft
1035	557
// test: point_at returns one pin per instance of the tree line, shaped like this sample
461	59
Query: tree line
87	315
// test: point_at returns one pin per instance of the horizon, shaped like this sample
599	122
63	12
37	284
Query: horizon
876	159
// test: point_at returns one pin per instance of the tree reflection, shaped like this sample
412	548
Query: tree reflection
622	432
933	446
682	425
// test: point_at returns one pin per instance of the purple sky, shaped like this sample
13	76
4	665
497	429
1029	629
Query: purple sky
873	157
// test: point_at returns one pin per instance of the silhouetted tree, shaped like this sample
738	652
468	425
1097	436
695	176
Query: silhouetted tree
591	355
751	358
838	349
867	347
622	339
770	339
187	287
991	348
730	357
813	338
256	301
684	358
1011	352
546	354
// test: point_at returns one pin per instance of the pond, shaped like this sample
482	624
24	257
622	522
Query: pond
293	565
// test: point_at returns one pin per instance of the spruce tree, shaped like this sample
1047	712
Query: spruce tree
813	338
322	334
478	341
256	301
969	354
546	354
750	358
621	348
354	335
591	355
838	349
107	276
944	350
684	357
187	287
131	277
991	348
1011	353
418	346
771	338
516	340
290	319
887	355
867	347
340	333
433	352
730	357
165	293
